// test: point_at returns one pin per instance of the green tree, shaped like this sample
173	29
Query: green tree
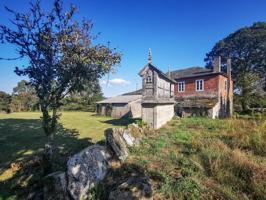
62	55
5	100
247	48
23	97
84	100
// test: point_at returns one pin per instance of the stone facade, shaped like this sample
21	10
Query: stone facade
157	96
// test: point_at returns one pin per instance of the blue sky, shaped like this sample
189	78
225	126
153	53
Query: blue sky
179	32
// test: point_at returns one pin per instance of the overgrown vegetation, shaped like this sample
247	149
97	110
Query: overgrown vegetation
200	158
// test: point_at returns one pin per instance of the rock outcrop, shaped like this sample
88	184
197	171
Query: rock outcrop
115	141
119	139
86	169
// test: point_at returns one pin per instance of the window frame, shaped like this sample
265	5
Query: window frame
184	86
148	79
196	84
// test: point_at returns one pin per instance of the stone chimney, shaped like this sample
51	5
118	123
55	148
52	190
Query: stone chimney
229	68
217	64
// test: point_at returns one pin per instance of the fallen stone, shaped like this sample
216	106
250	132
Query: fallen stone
86	169
135	130
129	139
55	186
116	142
135	188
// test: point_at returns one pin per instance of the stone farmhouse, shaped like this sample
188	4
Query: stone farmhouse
194	91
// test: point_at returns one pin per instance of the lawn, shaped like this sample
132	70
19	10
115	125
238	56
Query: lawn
22	137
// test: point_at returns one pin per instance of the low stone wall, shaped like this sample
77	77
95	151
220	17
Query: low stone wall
91	165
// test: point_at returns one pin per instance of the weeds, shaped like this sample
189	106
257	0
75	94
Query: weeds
226	157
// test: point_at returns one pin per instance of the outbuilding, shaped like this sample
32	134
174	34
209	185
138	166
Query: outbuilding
121	106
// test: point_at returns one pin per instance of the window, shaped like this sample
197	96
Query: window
200	85
181	86
225	84
148	79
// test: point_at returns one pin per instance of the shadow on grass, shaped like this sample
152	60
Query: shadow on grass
121	121
22	142
130	189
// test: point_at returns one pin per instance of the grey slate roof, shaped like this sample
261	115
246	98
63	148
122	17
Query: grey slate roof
136	92
190	72
121	99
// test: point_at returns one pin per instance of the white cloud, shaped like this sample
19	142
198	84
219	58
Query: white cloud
115	82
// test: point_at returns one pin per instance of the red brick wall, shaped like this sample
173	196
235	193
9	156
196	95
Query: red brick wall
210	86
223	90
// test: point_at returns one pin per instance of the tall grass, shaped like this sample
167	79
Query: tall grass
200	158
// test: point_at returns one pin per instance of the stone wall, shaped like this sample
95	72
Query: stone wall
215	111
120	110
135	108
164	113
156	115
147	114
157	97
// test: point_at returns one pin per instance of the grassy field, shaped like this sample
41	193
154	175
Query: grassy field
200	158
189	158
22	137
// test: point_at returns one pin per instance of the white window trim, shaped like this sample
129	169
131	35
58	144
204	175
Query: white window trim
202	84
183	84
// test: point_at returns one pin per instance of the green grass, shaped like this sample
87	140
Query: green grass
22	137
189	158
201	158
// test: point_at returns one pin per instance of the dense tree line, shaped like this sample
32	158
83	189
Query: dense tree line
5	100
247	49
24	98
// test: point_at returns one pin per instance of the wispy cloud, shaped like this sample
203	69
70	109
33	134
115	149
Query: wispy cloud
115	82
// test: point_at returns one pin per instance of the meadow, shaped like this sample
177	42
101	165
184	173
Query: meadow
189	158
200	158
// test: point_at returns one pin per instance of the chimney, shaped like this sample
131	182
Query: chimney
228	68
217	64
229	88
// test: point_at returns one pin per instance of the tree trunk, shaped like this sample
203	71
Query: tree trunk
244	100
49	126
48	155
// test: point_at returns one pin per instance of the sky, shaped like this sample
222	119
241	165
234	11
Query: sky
179	33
